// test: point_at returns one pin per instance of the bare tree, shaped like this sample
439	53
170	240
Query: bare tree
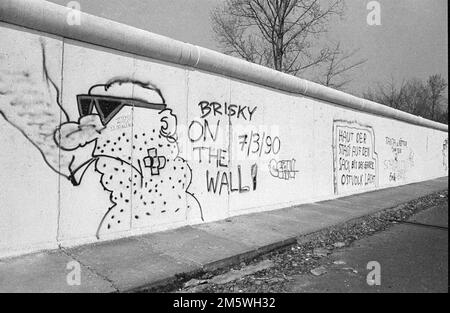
387	94
442	115
414	96
436	86
337	65
280	33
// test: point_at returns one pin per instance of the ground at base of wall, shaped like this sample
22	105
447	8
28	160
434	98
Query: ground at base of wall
274	272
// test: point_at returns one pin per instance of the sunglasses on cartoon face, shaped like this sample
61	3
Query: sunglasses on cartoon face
107	106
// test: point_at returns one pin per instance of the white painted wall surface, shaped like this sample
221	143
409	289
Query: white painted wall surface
282	149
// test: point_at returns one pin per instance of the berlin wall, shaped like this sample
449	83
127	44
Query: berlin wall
107	131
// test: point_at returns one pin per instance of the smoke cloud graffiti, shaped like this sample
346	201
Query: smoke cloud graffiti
30	102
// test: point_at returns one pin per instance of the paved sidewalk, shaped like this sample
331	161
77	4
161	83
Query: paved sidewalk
130	263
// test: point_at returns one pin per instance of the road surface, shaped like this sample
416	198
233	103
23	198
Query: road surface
413	257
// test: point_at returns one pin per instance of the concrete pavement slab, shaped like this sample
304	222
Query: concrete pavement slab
269	228
369	202
47	272
424	188
382	199
336	209
235	229
309	217
394	196
294	221
194	245
341	208
435	182
130	263
279	223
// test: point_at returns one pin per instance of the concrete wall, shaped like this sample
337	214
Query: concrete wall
99	144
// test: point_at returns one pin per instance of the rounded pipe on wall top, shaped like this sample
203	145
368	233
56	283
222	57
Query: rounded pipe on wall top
52	18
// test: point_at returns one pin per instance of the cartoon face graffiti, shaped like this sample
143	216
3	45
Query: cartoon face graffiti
132	135
126	132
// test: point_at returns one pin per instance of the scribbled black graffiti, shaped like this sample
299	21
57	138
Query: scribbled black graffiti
402	159
231	110
397	146
138	161
283	169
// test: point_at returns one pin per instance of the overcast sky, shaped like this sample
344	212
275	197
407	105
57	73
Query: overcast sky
410	43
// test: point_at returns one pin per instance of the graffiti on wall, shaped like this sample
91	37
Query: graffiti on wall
30	102
445	154
257	144
402	160
283	169
217	109
125	132
355	160
214	137
210	146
